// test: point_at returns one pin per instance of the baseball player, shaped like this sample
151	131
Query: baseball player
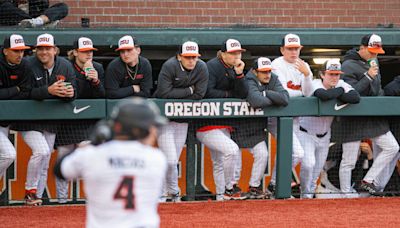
123	177
183	76
14	84
53	78
89	76
296	77
264	90
366	79
315	132
226	81
130	74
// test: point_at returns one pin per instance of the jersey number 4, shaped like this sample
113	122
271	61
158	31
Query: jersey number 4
125	192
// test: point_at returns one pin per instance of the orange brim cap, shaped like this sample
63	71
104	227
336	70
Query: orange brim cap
376	50
88	49
20	48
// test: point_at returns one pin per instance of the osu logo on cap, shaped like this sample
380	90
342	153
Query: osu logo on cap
293	39
87	43
235	44
265	63
44	39
191	48
124	42
18	41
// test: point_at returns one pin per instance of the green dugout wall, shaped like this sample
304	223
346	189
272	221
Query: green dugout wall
210	108
248	36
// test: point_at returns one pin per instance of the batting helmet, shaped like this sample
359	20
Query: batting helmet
137	113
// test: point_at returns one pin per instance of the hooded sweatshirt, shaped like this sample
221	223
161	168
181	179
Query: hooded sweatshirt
355	128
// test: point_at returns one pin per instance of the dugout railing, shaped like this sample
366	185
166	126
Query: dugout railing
20	110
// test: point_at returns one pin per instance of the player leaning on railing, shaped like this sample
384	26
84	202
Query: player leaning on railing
53	78
226	81
15	83
315	132
264	90
361	70
183	76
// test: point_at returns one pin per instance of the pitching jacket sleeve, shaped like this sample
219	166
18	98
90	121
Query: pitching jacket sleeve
351	97
328	94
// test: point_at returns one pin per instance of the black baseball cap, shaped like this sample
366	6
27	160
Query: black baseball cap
138	113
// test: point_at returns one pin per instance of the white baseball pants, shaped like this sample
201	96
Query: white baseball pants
260	154
223	153
7	151
171	140
62	185
42	145
388	152
298	151
315	154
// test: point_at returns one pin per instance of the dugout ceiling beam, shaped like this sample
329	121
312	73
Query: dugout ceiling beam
212	36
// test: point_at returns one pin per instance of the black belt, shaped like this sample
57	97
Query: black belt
318	135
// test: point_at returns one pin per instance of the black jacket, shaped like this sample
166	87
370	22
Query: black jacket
223	82
349	129
174	81
87	89
118	82
13	76
64	70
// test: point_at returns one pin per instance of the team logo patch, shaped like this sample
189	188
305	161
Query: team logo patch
60	77
139	76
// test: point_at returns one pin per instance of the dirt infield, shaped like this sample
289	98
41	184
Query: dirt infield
369	212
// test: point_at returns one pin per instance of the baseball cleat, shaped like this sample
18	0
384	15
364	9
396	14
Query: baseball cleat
234	194
370	188
32	200
255	193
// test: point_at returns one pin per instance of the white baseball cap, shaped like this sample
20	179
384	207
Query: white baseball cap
84	44
126	42
232	45
263	64
291	40
45	40
333	66
15	42
374	43
189	48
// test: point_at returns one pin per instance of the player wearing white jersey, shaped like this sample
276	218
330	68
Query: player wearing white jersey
296	77
123	177
315	132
